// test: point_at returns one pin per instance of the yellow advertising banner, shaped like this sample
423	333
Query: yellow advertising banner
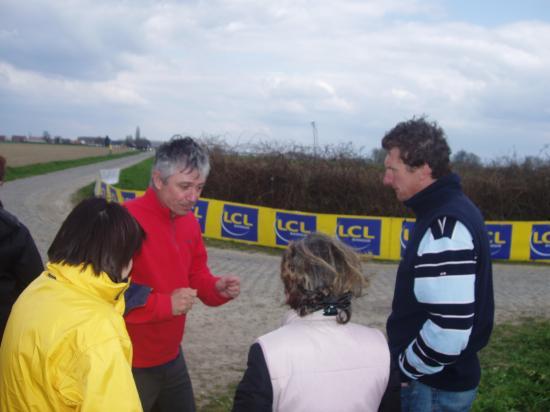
379	237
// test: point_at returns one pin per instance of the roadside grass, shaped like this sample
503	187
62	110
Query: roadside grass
136	177
514	368
19	172
222	402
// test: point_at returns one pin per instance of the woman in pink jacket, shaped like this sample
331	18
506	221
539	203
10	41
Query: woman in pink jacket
317	360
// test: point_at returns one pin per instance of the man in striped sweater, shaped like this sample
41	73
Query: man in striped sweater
443	306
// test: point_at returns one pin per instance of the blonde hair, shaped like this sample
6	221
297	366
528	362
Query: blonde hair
320	272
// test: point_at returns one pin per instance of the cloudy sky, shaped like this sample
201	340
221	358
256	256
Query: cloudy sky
256	70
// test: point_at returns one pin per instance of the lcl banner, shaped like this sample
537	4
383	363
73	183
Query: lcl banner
379	237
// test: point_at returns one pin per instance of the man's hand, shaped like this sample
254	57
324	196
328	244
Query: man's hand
229	286
182	300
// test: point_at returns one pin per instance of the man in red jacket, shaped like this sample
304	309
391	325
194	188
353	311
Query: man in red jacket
169	273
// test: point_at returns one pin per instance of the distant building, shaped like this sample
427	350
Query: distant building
2	138
18	138
61	140
91	141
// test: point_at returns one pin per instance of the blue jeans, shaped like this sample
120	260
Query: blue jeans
417	397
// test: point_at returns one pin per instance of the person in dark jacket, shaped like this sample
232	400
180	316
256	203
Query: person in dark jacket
20	262
443	305
2	173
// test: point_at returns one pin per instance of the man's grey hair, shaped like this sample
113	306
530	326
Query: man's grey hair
181	154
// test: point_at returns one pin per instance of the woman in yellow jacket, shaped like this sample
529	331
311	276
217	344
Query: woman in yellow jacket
65	346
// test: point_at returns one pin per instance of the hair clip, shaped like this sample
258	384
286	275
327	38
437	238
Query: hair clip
330	310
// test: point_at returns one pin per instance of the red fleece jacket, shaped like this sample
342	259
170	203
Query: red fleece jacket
172	256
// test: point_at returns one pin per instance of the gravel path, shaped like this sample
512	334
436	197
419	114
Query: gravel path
217	339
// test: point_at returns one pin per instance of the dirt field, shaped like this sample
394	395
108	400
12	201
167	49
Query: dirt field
21	154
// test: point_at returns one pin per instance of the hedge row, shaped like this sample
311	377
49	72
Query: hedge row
341	180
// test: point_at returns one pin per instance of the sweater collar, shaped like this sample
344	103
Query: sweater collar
83	278
434	195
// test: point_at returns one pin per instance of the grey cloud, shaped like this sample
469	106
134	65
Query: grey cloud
73	40
270	68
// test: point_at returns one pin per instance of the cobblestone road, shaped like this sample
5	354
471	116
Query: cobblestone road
43	202
217	339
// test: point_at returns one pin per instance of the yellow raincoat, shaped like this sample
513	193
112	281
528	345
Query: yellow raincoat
66	348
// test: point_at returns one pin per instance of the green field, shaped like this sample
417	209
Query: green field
514	368
136	177
36	169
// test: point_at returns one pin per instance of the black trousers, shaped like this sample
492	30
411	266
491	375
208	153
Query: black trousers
165	388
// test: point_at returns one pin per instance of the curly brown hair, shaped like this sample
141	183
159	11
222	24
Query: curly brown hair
420	142
320	272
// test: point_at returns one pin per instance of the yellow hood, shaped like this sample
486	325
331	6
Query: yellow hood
84	278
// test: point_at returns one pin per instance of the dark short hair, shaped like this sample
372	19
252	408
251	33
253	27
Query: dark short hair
420	142
319	270
98	233
2	167
181	153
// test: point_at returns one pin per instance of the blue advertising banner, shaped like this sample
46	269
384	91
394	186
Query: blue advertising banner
200	211
293	226
500	240
540	242
240	222
127	195
361	234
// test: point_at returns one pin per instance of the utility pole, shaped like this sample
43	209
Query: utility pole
315	138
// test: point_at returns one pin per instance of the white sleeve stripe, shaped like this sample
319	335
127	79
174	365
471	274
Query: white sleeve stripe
445	289
418	364
444	244
464	278
450	342
451	316
440	301
426	356
406	372
450	262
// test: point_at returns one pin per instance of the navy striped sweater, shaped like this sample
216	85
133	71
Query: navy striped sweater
443	306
